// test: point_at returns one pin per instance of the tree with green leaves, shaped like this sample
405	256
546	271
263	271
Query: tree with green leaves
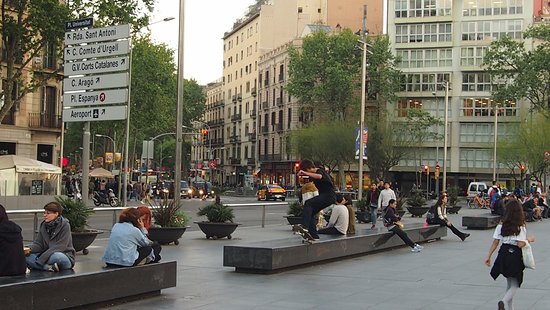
526	149
521	73
323	73
330	143
30	30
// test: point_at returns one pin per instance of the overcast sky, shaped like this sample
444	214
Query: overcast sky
205	23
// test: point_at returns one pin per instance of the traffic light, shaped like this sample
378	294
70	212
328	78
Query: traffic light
436	172
204	135
296	167
426	169
522	168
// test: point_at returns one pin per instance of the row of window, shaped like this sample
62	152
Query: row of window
470	159
491	30
422	8
430	32
421	58
471	107
491	7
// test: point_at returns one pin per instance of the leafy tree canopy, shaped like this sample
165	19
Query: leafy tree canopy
323	72
518	73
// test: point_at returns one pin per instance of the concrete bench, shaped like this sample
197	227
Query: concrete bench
85	285
481	221
278	255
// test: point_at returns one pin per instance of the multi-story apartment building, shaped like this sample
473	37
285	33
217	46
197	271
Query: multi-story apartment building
32	128
443	41
259	112
212	148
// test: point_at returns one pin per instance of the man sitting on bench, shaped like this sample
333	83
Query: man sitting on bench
339	218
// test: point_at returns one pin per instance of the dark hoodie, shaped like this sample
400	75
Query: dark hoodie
12	257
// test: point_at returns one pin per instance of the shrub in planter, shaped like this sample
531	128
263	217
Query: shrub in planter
219	222
169	214
295	209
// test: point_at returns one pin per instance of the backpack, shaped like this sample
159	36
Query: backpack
430	215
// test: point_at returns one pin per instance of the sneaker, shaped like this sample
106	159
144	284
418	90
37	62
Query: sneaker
417	248
315	236
373	227
53	268
464	236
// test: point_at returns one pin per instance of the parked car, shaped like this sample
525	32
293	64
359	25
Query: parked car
198	189
271	191
476	188
185	190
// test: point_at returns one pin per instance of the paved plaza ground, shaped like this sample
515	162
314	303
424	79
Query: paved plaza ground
449	274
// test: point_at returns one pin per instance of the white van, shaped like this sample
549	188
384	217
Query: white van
476	188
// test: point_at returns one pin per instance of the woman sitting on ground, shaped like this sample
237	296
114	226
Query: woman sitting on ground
52	250
128	245
392	221
439	211
12	259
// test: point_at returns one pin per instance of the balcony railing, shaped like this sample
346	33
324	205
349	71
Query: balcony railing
279	127
235	161
252	136
234	139
250	161
265	106
234	98
239	97
253	113
39	120
270	157
279	101
264	129
253	91
236	117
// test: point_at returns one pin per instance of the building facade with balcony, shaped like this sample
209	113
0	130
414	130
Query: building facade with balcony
212	148
256	151
440	41
32	128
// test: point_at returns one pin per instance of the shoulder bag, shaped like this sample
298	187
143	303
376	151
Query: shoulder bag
527	254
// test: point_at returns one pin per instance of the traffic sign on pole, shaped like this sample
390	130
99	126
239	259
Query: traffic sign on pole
95	97
101	65
97	34
97	50
95	114
95	82
79	23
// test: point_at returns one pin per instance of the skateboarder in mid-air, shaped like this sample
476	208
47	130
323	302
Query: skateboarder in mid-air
326	196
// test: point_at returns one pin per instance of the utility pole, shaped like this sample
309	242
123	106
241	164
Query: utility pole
363	95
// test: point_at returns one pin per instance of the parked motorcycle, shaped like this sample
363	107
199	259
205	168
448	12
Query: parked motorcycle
100	198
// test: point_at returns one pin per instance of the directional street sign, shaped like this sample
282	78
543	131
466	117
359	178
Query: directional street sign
79	23
95	82
102	65
97	50
95	97
94	114
97	34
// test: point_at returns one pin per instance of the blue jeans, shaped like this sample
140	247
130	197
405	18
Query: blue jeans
373	214
61	259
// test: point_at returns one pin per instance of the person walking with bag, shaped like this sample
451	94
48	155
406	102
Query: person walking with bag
509	262
438	216
392	221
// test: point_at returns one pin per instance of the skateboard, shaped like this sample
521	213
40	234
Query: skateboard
306	237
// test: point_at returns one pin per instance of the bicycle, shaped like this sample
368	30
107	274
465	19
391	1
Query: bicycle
477	202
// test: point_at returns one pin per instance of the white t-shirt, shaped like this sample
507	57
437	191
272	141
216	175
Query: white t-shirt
513	240
339	218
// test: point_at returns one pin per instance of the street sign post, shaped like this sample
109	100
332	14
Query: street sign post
96	82
108	113
101	65
89	51
95	97
94	35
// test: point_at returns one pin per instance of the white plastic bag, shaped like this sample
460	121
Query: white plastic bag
527	254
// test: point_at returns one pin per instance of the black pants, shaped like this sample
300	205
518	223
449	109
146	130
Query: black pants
455	230
313	206
330	231
403	235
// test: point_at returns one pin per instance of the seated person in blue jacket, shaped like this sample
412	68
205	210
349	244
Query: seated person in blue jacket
339	218
52	250
128	245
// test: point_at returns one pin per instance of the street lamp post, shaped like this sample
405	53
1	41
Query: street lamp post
363	95
179	104
114	159
495	144
445	133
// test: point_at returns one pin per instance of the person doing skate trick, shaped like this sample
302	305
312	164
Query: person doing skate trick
326	197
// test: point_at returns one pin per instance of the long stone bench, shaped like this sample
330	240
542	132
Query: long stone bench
85	286
277	255
481	221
